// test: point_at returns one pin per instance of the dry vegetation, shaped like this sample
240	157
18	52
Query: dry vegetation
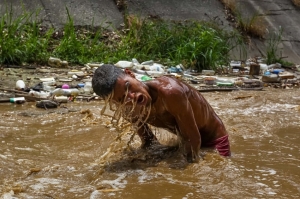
296	2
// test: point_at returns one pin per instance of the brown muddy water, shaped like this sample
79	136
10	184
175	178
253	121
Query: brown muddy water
72	152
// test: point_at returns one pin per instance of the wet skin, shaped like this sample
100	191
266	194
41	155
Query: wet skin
175	106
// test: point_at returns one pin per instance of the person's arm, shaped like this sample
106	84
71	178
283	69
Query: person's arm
184	115
146	135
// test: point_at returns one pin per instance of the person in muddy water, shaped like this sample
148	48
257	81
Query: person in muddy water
164	102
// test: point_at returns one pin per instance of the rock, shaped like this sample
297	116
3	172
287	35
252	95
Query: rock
46	104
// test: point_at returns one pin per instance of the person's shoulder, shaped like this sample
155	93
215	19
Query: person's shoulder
162	80
169	85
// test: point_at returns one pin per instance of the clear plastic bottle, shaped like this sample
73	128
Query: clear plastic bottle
88	87
41	94
48	86
65	92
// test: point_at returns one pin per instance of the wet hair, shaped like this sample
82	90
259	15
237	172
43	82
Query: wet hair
105	78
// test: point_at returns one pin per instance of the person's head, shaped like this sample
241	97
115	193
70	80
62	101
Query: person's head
105	78
126	88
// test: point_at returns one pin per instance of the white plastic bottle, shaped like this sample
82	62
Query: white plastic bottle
17	100
20	85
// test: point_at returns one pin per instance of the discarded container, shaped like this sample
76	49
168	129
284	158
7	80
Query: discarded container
157	67
276	71
208	72
17	100
61	99
64	64
221	84
80	85
267	72
94	65
277	65
209	80
138	71
135	61
124	64
38	94
145	78
49	85
20	85
65	92
235	70
150	62
88	87
254	69
273	78
188	76
155	73
75	72
224	80
47	79
286	75
262	66
65	86
235	64
54	62
173	69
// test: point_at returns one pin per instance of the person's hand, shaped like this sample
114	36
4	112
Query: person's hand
149	143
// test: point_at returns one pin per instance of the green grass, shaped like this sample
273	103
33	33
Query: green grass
272	53
193	44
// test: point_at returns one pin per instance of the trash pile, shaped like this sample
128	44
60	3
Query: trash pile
57	86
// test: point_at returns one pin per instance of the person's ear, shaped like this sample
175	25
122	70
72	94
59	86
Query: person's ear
129	72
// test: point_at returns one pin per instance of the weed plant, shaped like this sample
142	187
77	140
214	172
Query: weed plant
194	44
272	47
20	39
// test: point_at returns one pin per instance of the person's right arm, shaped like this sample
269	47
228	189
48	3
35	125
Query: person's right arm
146	135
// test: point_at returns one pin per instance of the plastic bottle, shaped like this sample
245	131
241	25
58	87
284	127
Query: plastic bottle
17	100
20	85
49	86
267	72
75	72
87	87
65	92
39	94
62	99
54	62
145	78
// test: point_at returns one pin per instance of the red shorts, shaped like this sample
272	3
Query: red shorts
222	145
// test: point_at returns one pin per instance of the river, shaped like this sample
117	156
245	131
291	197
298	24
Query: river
72	152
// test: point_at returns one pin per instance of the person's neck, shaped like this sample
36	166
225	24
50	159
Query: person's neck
151	90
